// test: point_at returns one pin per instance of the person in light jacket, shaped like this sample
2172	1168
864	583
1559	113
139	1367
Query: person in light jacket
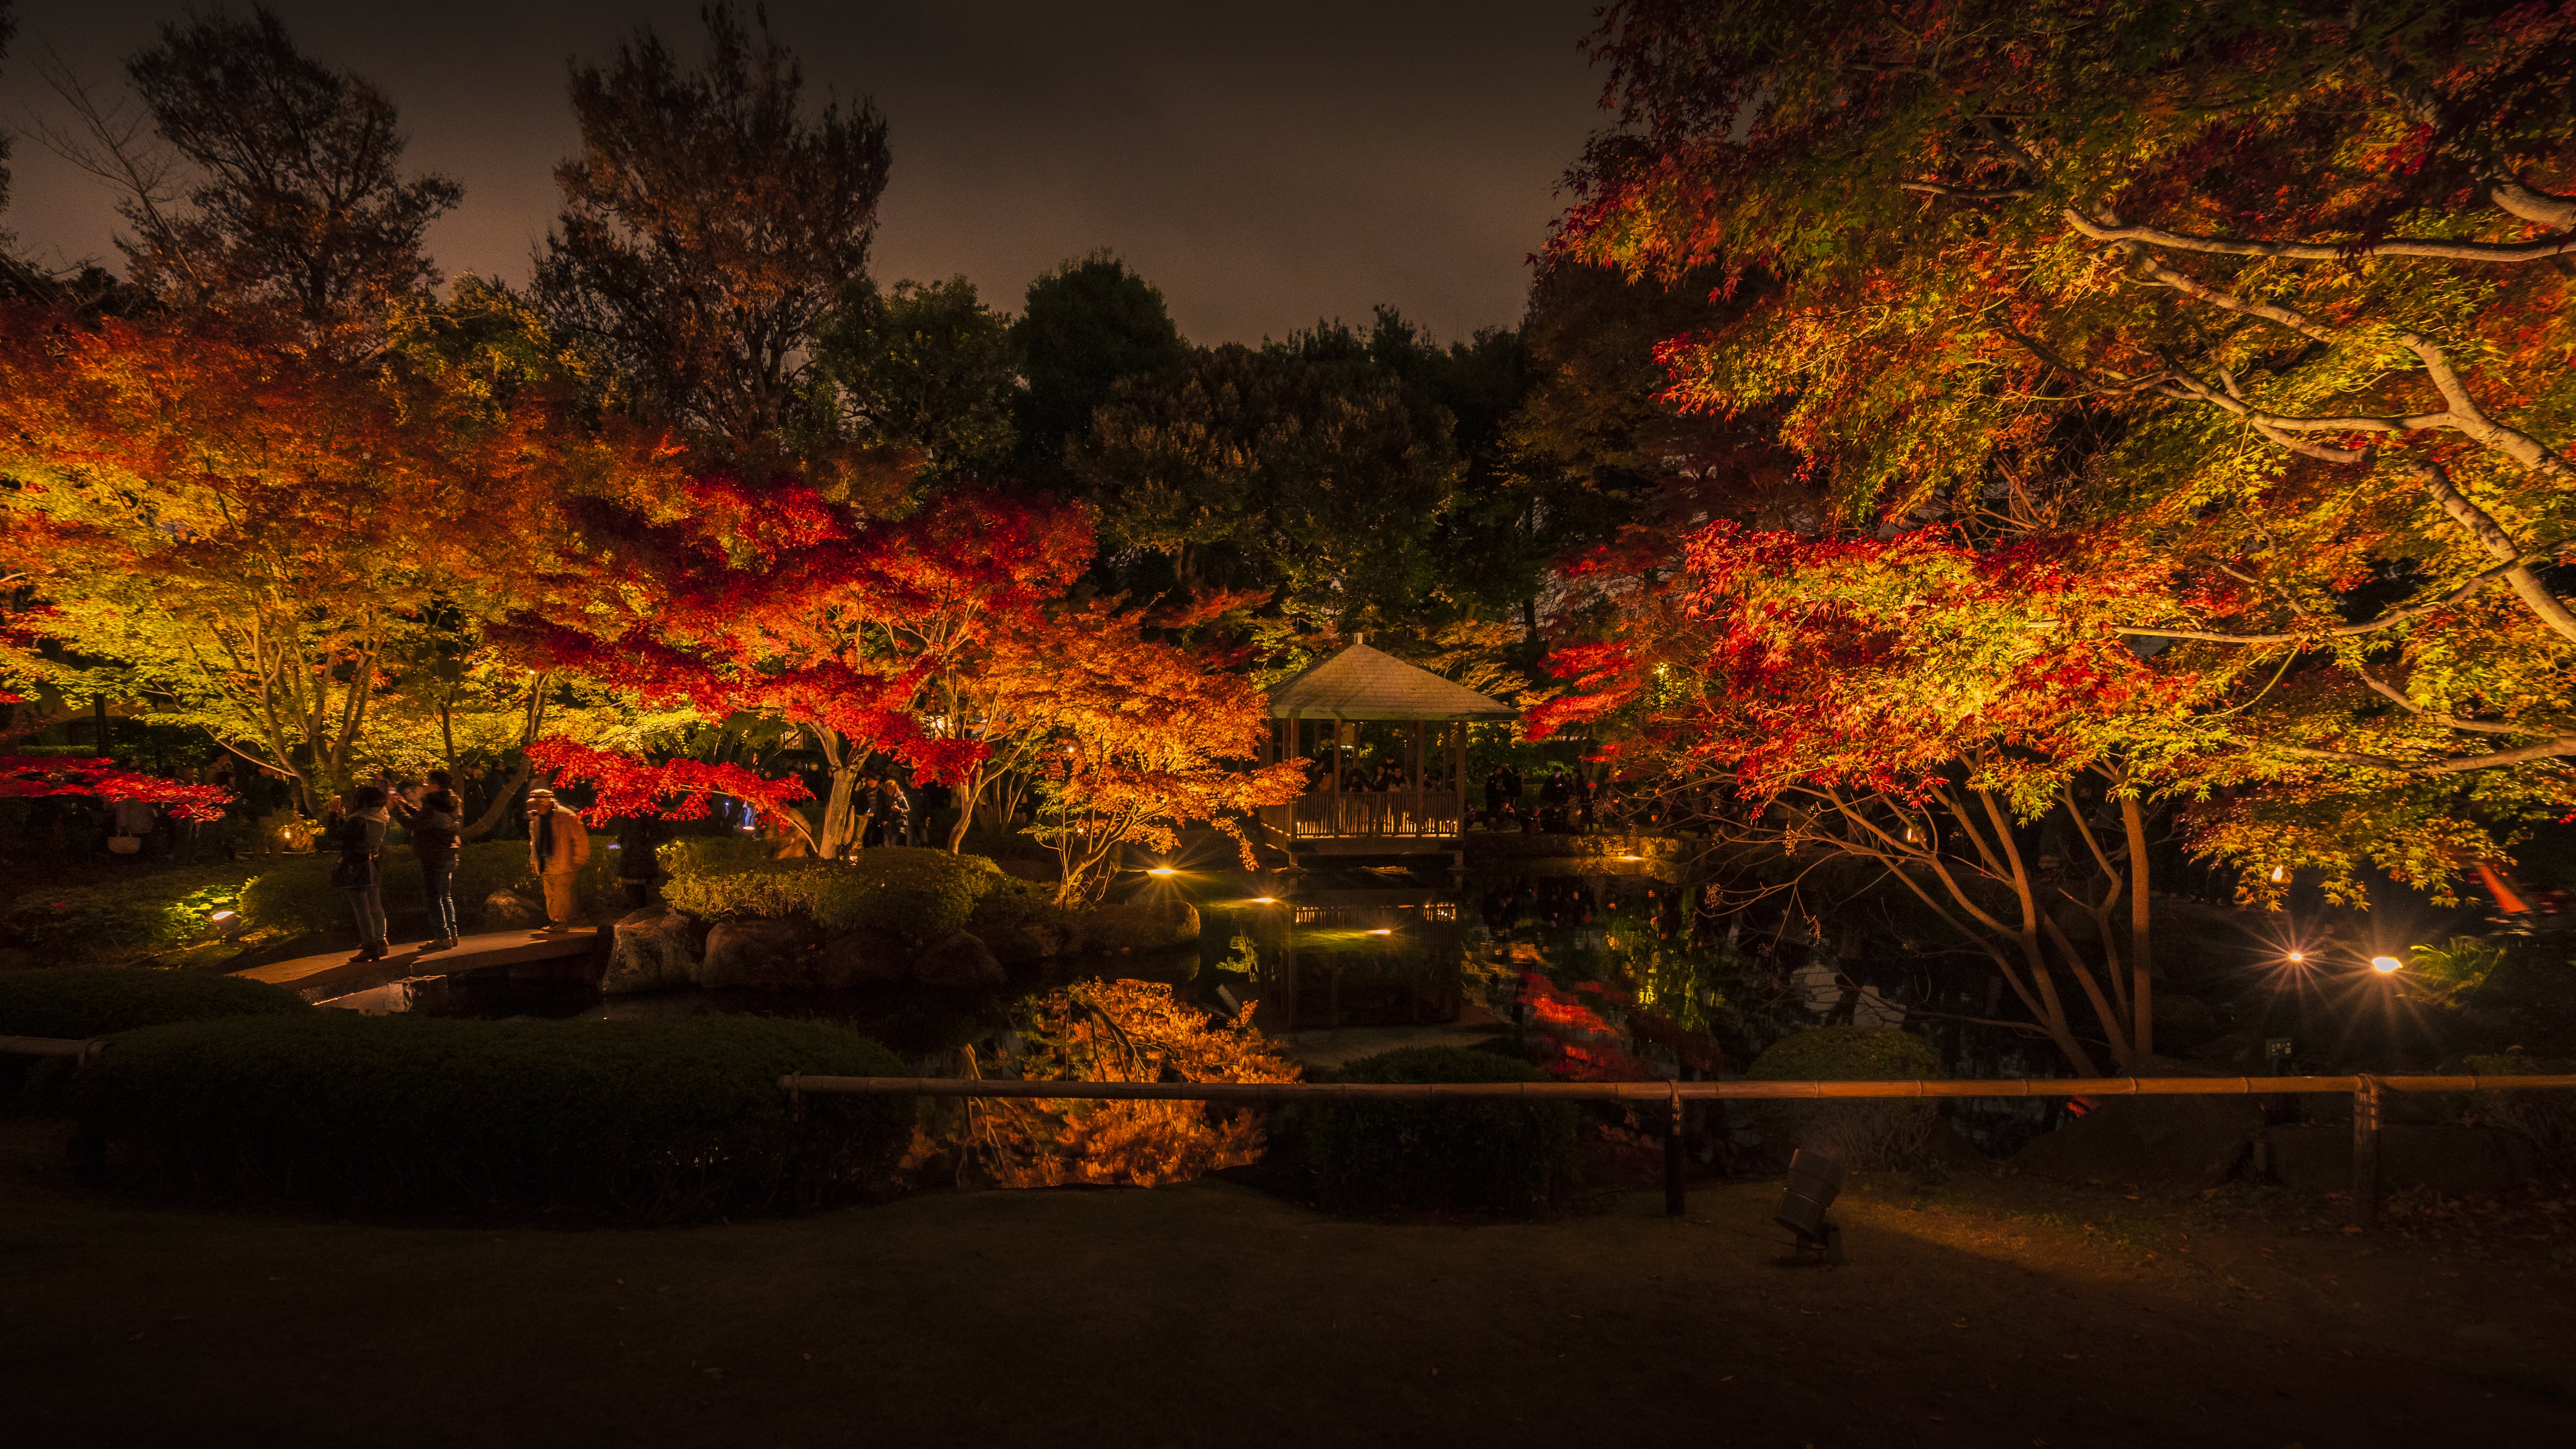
558	847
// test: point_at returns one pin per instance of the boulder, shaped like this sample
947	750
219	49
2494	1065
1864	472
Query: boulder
957	962
2317	1157
761	954
863	958
1142	926
507	911
655	949
2171	1144
1026	943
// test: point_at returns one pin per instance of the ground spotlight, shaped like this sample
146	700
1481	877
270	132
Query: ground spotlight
1815	1179
1162	870
2386	965
1265	900
1381	932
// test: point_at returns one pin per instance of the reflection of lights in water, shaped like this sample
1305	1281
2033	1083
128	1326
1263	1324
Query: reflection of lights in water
1632	857
2386	965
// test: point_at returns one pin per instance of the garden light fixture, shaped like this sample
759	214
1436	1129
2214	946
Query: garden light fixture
1815	1179
2386	965
1162	870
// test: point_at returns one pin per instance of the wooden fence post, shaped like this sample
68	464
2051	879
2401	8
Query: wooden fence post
2365	1153
1673	1157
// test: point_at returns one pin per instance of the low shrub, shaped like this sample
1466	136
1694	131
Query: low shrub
295	894
917	894
1864	1132
649	1121
128	917
1490	1156
79	1003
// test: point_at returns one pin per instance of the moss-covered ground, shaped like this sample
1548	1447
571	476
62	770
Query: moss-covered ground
1987	1310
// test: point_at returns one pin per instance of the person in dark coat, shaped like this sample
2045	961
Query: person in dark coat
360	873
435	825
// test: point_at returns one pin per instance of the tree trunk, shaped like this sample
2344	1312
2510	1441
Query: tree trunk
500	803
2141	957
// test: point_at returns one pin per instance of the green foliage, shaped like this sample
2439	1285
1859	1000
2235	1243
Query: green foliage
1306	466
918	894
1865	1132
83	1002
1494	1156
132	916
639	1120
1084	326
1009	901
2458	966
927	367
296	895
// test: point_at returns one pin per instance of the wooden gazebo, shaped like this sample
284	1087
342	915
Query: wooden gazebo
1318	716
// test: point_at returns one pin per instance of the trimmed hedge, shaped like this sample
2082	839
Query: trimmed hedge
85	1002
918	894
1864	1132
295	894
141	913
79	1003
650	1121
1489	1156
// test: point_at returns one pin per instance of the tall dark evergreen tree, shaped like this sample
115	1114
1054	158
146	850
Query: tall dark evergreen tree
711	223
1085	326
298	201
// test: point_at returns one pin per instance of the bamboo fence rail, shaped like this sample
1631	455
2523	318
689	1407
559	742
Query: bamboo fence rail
2366	1091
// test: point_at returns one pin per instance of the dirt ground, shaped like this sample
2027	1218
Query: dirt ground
1990	1310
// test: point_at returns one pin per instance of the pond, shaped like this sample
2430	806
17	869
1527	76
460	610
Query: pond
1599	972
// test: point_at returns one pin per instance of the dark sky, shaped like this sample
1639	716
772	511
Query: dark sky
1266	165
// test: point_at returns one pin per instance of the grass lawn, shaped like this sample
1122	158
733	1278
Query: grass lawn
1989	1311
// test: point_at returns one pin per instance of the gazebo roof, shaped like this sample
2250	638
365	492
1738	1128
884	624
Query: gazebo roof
1362	683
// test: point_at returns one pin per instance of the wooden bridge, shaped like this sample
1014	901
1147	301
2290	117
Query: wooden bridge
338	973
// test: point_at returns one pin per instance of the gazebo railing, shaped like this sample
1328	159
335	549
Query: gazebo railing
1364	814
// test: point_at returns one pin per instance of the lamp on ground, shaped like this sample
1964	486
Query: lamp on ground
1815	1179
2386	965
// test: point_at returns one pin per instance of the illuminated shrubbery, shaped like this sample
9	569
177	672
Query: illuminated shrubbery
1122	1031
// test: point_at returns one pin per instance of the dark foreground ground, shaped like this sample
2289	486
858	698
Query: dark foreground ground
1988	1311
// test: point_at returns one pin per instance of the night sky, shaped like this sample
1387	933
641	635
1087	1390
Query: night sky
1265	165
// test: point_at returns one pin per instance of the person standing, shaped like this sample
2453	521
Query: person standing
361	839
894	812
434	823
558	847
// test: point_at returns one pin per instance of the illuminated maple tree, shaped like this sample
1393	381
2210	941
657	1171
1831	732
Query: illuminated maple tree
2272	299
254	536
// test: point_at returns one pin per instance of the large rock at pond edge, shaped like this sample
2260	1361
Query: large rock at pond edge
2317	1157
763	955
1026	943
655	949
958	962
1142	926
505	911
863	958
2171	1144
